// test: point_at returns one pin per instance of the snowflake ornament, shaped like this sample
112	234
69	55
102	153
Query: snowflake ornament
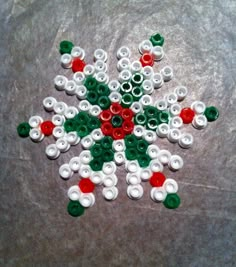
117	123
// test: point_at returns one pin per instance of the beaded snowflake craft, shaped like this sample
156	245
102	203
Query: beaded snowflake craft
117	123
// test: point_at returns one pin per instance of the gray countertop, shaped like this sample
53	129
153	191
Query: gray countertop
200	45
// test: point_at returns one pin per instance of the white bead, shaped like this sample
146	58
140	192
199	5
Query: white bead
145	47
157	80
136	66
97	134
124	76
52	151
58	120
164	156
118	145
147	87
145	174
181	92
186	140
110	193
87	142
167	73
60	82
150	136
174	135
132	166
74	164
95	110
176	122
123	51
97	177
84	105
87	200
58	132
70	112
74	193
158	53
123	64
70	87
133	178
156	165
66	61
198	107
72	138
102	77
146	100
65	171
115	97
170	186
136	107
110	180
152	151
100	66
77	52
119	158
175	163
135	191
85	157
85	171
35	121
79	77
81	92
62	144
89	70
163	130
139	131
158	194
59	108
36	135
175	109
171	98
147	72
49	103
109	168
100	54
161	104
114	85
199	121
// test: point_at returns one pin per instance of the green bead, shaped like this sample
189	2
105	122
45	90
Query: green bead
144	160
140	119
96	150
152	124
172	201
142	146
157	40
96	164
82	130
82	117
75	209
90	83
93	123
137	92
127	100
108	155
102	89
125	88
116	121
137	79
23	129
163	117
106	142
130	140
70	125
131	153
104	102
211	113
66	47
92	97
150	112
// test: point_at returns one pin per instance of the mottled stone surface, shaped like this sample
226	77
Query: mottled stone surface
35	229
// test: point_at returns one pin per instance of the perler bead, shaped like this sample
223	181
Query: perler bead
118	123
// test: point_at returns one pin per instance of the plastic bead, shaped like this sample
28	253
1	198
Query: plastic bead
114	85
157	80
170	186
131	153
100	54
115	97
125	76
116	121
84	105
147	72
199	121
175	163
81	92
47	127
137	93
58	132
174	135
92	97
86	185
126	87
62	144
145	47
74	164
71	87
146	100
109	168
35	121
136	66
79	77
66	47
72	138
107	128
74	193
102	77
106	142
164	156
123	64
181	92
77	52
104	102
175	109
110	193
176	122
87	142
108	155
102	90
136	107
145	174
144	160
85	171
89	70
139	131
158	194
97	134
70	112
151	112
132	166
105	115
133	178
137	79
135	191
128	126
127	114
52	151
85	157
90	83
118	133
152	151
157	53
167	73
118	145
163	130
198	107
126	100
60	82
97	177
87	200
157	179
186	140
157	39
119	158
75	209
150	136
172	201
163	117
171	98
122	52
161	104
100	66
211	113
147	60
95	110
65	171
78	65
156	165
187	115
66	61
110	180
36	135
59	108
140	119
49	103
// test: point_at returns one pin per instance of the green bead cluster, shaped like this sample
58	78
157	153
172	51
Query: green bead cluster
151	118
83	123
136	149
97	93
102	152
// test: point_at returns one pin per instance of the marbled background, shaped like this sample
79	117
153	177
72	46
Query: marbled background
200	45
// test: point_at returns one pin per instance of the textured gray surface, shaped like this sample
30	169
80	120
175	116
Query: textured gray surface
35	227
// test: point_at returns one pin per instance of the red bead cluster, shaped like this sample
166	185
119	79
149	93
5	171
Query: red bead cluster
127	125
78	65
187	115
147	60
47	127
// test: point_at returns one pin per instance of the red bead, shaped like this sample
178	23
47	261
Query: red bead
147	60
118	133
47	127
86	185
105	115
157	179
115	108
127	114
128	126
187	115
78	65
107	128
